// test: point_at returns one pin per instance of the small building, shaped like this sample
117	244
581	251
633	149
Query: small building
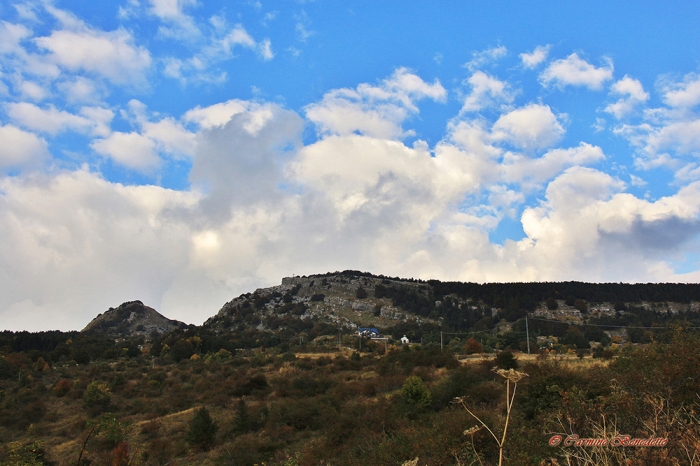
404	340
368	332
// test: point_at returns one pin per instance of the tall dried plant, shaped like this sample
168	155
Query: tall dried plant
512	377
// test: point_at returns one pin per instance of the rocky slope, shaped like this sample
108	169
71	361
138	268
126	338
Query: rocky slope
132	318
343	299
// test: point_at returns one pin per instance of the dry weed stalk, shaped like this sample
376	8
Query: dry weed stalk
511	376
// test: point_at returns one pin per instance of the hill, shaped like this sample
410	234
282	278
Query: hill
131	319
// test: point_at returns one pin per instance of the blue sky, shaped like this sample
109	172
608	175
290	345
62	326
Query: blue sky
182	152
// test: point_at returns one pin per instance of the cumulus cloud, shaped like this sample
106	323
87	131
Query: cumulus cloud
518	168
131	150
217	114
10	37
683	94
111	55
20	149
75	244
531	127
537	56
632	93
374	110
574	71
172	12
93	120
241	161
486	91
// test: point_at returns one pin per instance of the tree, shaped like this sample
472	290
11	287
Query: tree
472	346
242	423
202	430
581	305
506	360
414	392
361	293
96	396
552	304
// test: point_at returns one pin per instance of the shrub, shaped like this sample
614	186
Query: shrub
472	346
414	392
201	430
96	396
61	387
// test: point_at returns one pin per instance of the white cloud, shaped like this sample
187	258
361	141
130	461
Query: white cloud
222	46
170	9
75	244
480	59
265	48
682	137
531	60
237	36
10	37
574	71
171	137
684	94
486	91
20	149
32	91
111	55
131	150
217	114
374	110
94	120
531	127
79	89
518	168
632	93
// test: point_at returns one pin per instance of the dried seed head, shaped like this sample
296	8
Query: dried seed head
472	430
510	374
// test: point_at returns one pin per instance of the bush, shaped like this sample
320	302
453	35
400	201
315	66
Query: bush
472	346
96	396
414	392
61	387
202	430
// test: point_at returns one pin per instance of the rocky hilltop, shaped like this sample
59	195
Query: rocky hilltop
344	299
131	318
351	299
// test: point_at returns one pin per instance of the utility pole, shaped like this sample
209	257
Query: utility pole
527	333
441	342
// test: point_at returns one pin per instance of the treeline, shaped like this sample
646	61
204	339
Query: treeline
529	294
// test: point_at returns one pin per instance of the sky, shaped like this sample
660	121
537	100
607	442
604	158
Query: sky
182	152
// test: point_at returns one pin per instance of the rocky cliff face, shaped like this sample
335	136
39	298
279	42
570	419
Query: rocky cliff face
132	318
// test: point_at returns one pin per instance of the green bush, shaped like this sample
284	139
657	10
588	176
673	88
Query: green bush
97	396
414	392
202	430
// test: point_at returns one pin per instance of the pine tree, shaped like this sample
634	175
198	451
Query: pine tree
202	430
